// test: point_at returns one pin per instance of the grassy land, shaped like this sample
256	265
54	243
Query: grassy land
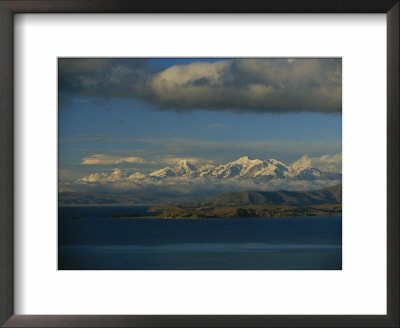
245	211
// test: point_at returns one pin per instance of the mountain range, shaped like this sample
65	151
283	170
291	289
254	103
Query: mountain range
245	168
188	181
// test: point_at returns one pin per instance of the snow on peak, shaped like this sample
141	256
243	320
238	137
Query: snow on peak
274	161
163	173
245	168
246	160
243	159
181	168
184	166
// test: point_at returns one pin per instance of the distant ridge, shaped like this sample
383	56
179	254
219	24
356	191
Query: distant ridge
259	204
330	195
245	168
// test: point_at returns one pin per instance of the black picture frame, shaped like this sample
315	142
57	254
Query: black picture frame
10	7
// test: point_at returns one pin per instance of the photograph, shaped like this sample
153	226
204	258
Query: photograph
199	163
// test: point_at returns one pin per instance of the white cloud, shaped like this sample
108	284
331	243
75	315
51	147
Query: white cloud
107	159
325	163
115	175
257	85
197	161
117	181
136	176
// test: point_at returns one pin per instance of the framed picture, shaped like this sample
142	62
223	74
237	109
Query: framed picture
191	192
186	169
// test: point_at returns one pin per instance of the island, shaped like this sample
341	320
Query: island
249	211
254	204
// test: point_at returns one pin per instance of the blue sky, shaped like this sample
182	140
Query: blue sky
101	112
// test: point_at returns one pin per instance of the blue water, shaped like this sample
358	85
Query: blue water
102	243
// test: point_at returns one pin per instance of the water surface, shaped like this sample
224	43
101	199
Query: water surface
99	242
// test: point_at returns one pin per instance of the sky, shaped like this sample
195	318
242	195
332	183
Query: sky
140	115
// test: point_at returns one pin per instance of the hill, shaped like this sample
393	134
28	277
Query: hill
323	202
330	195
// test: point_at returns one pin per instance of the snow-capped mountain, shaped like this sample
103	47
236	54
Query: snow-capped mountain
245	168
181	168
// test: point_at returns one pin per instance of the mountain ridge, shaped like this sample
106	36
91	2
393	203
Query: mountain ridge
329	195
245	168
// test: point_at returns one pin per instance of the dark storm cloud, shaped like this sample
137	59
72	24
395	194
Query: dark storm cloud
238	85
102	77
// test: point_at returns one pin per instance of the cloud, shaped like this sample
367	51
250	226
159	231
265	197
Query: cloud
256	85
173	160
116	175
106	160
119	181
101	78
239	85
136	176
326	163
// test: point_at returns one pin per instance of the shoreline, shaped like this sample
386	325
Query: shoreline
229	218
104	205
219	212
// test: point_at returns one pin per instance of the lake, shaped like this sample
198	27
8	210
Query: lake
95	241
